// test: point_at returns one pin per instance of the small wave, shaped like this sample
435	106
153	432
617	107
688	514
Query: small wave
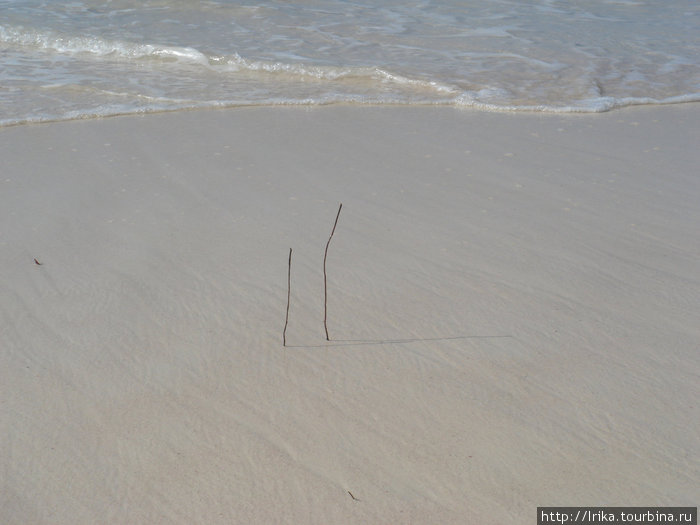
332	73
90	45
232	63
594	105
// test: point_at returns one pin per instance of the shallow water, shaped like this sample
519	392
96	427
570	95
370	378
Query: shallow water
63	60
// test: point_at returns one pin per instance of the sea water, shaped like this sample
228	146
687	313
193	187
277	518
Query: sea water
83	58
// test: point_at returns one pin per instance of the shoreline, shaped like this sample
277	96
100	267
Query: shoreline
513	301
530	110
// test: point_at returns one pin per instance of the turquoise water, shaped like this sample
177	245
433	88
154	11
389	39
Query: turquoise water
65	60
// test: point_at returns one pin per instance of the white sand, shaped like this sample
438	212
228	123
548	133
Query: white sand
513	302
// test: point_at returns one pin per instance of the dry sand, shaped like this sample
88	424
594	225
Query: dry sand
513	306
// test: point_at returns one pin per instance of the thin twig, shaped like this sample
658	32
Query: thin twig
325	277
353	497
37	262
289	294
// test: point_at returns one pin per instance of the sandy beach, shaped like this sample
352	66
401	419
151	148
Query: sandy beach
513	305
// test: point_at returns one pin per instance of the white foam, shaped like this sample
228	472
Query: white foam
97	46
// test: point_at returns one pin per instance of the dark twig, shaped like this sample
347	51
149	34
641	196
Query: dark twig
37	262
289	294
325	277
353	497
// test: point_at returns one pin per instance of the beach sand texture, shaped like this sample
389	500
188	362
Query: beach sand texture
513	305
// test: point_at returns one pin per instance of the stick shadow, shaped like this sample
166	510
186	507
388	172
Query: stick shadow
361	342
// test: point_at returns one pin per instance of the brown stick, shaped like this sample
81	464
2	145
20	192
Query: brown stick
289	294
325	277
